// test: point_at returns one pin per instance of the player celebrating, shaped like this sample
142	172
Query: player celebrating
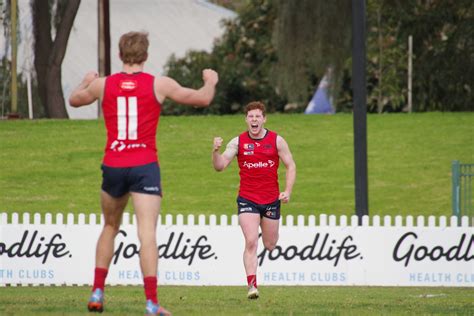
258	152
131	102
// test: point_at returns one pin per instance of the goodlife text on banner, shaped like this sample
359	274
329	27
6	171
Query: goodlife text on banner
212	255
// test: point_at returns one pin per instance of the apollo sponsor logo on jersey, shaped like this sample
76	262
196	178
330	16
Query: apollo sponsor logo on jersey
118	145
258	165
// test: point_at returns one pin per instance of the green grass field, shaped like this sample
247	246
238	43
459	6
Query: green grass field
183	300
54	165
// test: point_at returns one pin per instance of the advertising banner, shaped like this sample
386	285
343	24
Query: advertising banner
211	254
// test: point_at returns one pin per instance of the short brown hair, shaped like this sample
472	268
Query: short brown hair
255	105
133	47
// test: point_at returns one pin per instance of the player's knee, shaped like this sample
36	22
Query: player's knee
269	244
251	245
146	237
113	227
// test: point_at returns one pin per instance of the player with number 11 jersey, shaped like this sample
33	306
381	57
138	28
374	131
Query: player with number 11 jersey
131	113
131	103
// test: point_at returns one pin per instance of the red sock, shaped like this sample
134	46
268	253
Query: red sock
99	278
252	280
151	284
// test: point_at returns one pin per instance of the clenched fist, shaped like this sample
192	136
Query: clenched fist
217	143
210	76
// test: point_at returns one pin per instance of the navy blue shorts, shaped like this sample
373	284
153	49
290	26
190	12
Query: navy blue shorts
141	179
271	211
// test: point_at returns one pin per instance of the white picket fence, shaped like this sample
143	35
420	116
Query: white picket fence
211	220
46	249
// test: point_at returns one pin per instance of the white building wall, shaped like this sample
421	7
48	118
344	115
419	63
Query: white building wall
174	26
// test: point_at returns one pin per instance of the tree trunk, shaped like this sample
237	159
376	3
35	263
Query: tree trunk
42	46
310	36
49	54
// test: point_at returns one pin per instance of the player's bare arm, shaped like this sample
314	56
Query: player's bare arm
88	91
166	87
287	159
221	161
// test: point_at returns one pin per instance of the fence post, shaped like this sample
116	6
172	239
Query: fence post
455	187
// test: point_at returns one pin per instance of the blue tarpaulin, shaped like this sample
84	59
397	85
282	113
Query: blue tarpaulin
321	101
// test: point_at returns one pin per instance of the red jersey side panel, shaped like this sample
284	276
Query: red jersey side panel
131	113
258	162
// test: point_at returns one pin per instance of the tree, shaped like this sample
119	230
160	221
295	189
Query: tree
243	56
310	36
289	44
443	37
386	58
49	52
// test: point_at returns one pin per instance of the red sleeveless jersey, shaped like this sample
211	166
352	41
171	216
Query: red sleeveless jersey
258	162
131	113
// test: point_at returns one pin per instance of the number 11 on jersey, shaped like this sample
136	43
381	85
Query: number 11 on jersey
125	117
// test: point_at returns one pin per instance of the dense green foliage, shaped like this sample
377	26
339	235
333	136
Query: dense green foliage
243	57
53	166
387	59
443	33
277	51
443	49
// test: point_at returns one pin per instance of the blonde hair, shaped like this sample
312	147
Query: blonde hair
133	47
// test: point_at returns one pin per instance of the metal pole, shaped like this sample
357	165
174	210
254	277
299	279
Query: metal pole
455	188
107	36
410	69
100	39
14	86
104	41
360	108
